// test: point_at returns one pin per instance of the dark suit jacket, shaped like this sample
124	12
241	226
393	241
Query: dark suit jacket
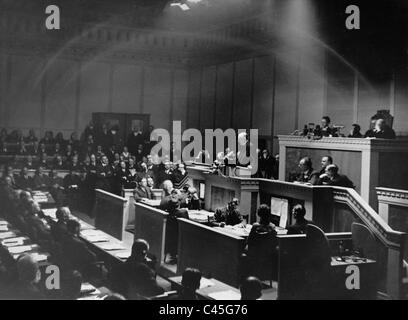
299	227
340	181
142	192
310	177
227	215
77	255
134	278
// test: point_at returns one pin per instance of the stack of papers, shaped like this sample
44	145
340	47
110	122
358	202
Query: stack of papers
123	255
3	228
38	257
96	238
19	249
225	295
12	242
50	213
111	246
7	234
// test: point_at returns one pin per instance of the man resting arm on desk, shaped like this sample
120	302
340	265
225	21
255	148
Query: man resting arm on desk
228	215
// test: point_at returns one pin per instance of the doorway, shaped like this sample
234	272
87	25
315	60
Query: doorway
125	122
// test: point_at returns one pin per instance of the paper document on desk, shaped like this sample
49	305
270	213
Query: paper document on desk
38	257
8	234
87	288
51	213
12	242
123	255
19	249
91	232
111	246
97	238
204	283
152	203
225	295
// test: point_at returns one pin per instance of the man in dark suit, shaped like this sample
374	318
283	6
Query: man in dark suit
228	215
175	212
59	229
166	196
77	255
336	179
307	175
136	277
380	131
24	181
29	276
190	283
142	191
103	175
299	227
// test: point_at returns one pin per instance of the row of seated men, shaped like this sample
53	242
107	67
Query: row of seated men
26	284
328	174
134	279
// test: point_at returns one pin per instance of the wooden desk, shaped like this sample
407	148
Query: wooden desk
210	286
215	252
110	250
359	159
110	213
200	216
150	224
236	231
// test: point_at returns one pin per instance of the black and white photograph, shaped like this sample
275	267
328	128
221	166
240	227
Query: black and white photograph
221	151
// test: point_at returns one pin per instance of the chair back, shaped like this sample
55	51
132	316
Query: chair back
364	241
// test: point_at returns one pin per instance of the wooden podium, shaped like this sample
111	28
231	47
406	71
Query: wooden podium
369	163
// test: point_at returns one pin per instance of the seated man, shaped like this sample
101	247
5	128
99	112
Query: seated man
355	131
333	178
299	227
77	255
59	229
24	181
190	283
142	191
228	215
262	246
28	278
326	160
192	201
166	195
41	180
71	285
136	277
307	175
380	131
251	289
38	229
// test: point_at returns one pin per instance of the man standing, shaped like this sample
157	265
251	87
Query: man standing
103	175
